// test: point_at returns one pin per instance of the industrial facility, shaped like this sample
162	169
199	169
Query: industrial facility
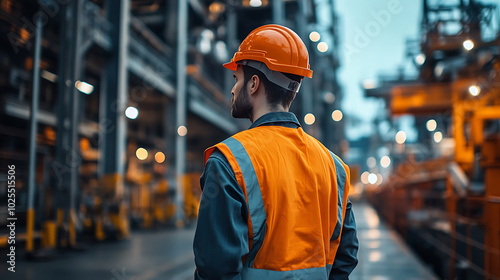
442	194
107	107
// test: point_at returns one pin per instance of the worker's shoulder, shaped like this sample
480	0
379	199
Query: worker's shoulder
217	155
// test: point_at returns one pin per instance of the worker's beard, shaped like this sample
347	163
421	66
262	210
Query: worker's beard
241	107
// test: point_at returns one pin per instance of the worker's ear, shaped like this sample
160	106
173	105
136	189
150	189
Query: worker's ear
253	84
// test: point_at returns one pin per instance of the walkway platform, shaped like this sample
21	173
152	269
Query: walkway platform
383	255
167	254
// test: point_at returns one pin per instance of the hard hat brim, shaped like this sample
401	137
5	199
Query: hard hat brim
297	71
231	66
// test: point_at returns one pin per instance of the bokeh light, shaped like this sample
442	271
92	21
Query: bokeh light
431	125
141	153
337	115
400	137
160	157
385	161
314	36
309	119
182	130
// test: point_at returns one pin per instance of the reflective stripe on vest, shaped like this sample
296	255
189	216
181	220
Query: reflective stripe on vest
299	274
254	196
341	176
248	178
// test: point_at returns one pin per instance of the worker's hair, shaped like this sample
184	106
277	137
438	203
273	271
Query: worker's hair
274	93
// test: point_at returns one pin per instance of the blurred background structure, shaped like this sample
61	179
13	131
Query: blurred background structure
441	191
106	107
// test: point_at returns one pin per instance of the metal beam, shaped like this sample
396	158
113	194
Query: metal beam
157	80
116	90
102	122
170	138
180	162
231	24
421	99
306	92
19	110
279	11
60	165
155	18
33	132
75	98
114	126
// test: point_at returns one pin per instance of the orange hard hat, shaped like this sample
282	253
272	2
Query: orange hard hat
278	47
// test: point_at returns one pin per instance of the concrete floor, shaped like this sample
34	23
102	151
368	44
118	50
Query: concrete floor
147	255
167	254
383	255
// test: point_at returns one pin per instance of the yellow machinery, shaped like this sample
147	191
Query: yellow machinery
449	207
412	195
152	202
192	195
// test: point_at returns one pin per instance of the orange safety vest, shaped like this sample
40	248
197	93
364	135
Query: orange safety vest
296	191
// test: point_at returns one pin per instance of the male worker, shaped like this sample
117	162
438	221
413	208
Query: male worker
274	203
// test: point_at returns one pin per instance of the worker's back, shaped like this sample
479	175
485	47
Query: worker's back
274	202
293	178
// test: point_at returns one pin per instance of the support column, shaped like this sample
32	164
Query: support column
113	126
170	27
180	143
279	11
491	166
170	149
102	123
231	26
117	89
74	153
305	94
33	132
61	166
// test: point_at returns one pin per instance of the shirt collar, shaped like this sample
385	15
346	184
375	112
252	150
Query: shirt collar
277	118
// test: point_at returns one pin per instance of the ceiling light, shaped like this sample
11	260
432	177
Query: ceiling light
84	87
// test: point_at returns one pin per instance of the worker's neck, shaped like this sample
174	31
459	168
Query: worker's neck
259	111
